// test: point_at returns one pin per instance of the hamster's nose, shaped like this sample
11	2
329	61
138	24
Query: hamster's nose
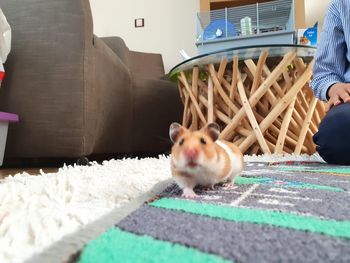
191	153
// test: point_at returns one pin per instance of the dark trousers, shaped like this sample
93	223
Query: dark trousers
333	137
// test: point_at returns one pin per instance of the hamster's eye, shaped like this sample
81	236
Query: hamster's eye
203	141
181	142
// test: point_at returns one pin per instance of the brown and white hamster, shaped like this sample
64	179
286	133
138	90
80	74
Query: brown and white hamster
199	158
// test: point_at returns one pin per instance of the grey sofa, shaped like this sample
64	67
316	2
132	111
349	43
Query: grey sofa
77	94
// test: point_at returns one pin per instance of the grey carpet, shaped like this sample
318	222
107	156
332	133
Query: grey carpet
306	191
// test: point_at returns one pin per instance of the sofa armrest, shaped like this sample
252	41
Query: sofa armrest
119	47
146	65
108	101
151	66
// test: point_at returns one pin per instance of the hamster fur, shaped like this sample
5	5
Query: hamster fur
199	158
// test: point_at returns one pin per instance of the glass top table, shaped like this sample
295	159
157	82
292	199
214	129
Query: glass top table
245	52
259	95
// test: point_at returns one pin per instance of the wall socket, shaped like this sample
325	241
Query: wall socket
139	22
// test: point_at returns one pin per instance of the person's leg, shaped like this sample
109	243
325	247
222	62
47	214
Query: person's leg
333	137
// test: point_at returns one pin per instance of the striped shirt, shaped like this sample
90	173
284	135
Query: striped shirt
333	53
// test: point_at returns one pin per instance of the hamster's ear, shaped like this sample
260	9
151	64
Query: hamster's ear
175	131
213	130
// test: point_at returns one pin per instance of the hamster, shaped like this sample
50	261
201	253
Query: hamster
199	158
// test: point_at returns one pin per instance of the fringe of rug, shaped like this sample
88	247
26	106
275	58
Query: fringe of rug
283	158
67	248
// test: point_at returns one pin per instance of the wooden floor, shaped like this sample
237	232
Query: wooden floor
32	166
4	172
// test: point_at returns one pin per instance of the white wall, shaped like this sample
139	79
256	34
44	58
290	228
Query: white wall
169	25
315	10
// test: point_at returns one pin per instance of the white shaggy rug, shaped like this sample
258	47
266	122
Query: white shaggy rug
36	211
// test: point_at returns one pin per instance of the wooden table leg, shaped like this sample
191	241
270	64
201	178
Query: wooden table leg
262	107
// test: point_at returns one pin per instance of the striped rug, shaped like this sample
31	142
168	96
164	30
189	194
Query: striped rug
277	212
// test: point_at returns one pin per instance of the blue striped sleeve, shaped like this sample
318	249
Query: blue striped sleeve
330	64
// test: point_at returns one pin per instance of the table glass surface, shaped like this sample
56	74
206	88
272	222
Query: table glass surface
246	52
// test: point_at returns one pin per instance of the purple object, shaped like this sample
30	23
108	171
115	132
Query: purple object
10	117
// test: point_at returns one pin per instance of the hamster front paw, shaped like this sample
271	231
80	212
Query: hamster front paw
228	185
189	193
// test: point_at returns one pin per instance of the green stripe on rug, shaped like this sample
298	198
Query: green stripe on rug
279	219
269	181
117	245
336	170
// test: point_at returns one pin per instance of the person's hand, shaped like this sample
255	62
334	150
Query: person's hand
338	93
